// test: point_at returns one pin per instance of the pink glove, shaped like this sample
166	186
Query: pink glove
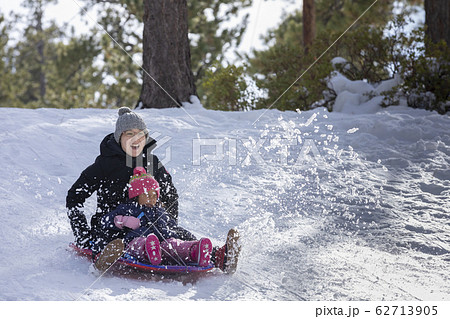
127	221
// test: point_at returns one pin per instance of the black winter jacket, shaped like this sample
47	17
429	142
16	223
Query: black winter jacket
109	177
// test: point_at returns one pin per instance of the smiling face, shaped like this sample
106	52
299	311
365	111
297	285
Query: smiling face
133	142
148	199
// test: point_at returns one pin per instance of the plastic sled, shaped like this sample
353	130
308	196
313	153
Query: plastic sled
129	261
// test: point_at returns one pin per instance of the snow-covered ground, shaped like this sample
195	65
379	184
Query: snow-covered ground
331	206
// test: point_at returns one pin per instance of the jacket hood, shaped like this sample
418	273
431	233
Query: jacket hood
109	146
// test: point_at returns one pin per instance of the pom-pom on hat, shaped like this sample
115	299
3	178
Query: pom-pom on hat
141	183
128	120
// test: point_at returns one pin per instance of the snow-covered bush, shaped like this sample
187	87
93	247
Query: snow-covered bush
395	62
377	54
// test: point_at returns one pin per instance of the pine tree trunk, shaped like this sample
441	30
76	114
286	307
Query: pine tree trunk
166	56
437	19
309	23
40	49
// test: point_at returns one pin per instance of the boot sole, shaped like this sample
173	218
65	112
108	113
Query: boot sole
204	255
153	249
232	252
112	252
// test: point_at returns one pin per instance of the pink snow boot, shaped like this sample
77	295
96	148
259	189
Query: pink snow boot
198	252
146	248
201	252
153	249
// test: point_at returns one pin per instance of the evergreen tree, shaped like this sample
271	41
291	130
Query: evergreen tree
209	39
280	66
168	78
11	79
33	53
5	92
37	31
121	71
45	68
437	19
309	23
73	78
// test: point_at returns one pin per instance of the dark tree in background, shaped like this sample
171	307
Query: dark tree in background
168	78
309	23
211	35
37	8
437	19
40	49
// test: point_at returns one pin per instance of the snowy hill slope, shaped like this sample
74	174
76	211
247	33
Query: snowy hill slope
331	206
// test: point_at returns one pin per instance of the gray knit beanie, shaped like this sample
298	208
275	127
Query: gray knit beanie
128	120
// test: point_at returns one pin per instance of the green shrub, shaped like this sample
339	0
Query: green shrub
373	54
281	72
294	80
426	75
225	88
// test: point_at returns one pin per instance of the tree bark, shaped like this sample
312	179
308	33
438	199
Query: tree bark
168	78
309	23
40	48
437	19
